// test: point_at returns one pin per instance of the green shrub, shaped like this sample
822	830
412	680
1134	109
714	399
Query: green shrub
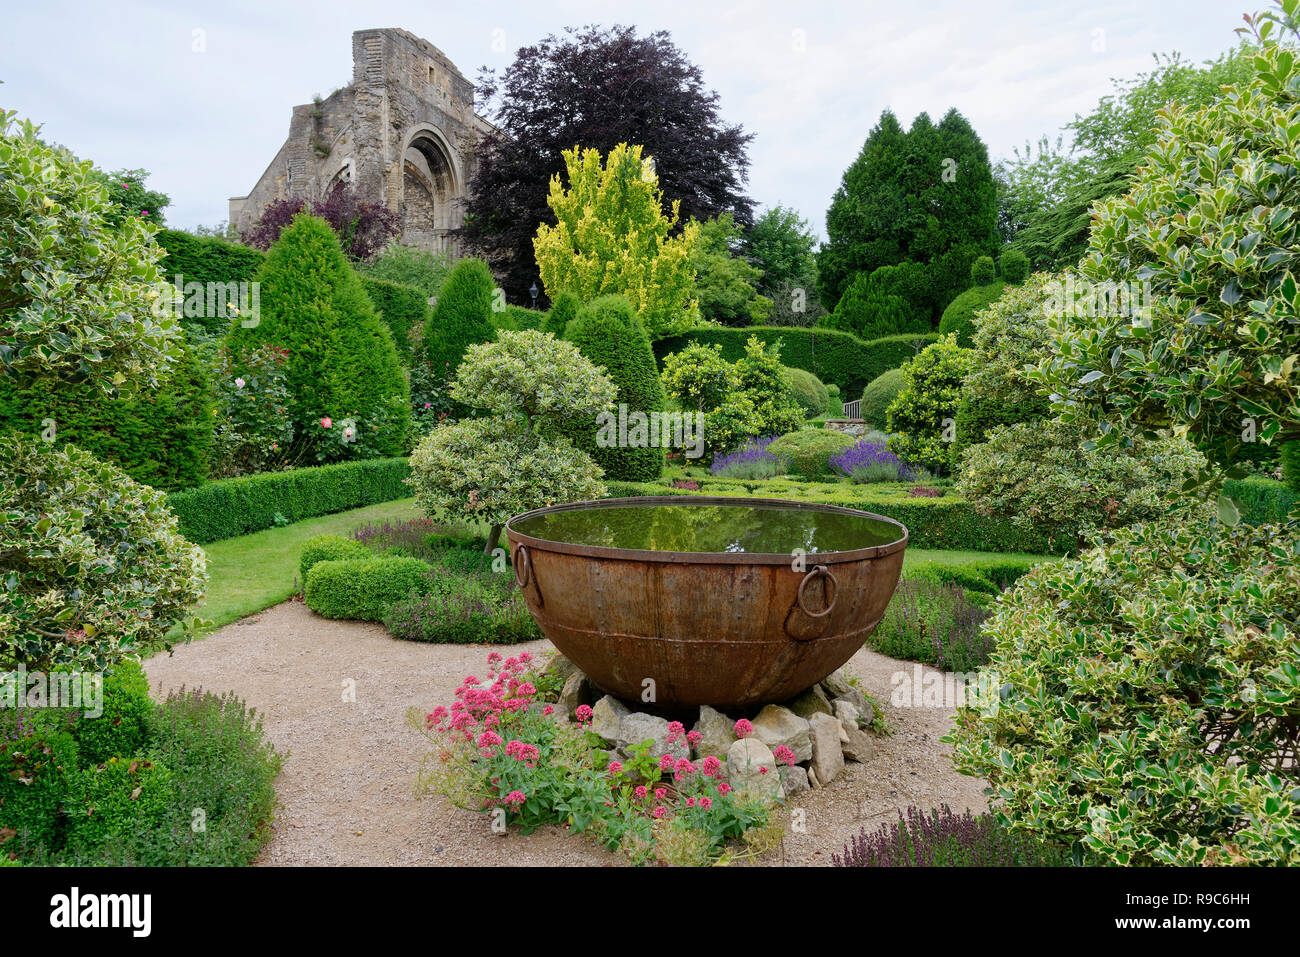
869	310
990	576
250	503
463	607
421	269
462	317
563	310
1290	458
94	564
920	419
1010	334
829	354
403	310
207	260
121	730
37	768
161	438
328	548
342	364
1015	265
959	316
515	457
1262	501
517	318
252	427
809	392
809	451
1039	475
361	588
1147	698
982	271
879	395
609	334
119	799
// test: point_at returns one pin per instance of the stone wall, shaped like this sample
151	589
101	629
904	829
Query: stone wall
402	133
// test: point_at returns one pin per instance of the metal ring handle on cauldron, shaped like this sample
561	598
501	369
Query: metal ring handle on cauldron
524	560
818	571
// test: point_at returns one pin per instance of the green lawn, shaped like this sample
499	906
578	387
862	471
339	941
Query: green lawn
253	572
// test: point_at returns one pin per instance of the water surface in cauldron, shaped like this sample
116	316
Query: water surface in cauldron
742	527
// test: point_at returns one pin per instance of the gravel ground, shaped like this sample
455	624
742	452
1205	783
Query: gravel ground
346	787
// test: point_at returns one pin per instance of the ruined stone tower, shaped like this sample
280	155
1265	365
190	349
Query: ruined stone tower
401	132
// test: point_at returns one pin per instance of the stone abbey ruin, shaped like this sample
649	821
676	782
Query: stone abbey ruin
401	133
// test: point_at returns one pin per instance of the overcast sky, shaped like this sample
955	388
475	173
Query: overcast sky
122	83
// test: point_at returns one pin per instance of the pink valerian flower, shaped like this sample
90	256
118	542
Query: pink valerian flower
690	802
641	792
526	690
743	728
762	770
659	811
548	711
693	738
515	798
436	718
710	766
682	768
724	789
488	739
675	731
525	657
666	762
615	767
661	793
583	713
706	803
784	755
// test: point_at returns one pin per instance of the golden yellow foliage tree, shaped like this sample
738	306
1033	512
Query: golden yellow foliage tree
612	237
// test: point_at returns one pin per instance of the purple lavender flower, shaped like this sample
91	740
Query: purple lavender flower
751	461
866	461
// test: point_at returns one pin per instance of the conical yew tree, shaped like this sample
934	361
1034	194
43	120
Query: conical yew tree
349	397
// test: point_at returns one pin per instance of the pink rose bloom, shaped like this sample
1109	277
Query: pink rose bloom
743	728
326	423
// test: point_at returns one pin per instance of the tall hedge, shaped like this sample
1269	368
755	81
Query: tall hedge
832	356
161	438
208	259
608	333
462	317
342	362
250	503
402	308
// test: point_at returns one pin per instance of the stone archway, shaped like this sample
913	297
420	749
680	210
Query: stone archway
430	190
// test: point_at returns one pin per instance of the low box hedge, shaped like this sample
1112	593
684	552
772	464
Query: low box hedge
362	589
829	354
947	521
328	548
1262	501
230	507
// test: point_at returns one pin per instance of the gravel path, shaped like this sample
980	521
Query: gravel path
346	787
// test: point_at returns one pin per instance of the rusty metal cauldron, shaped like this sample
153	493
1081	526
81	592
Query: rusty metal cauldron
727	629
